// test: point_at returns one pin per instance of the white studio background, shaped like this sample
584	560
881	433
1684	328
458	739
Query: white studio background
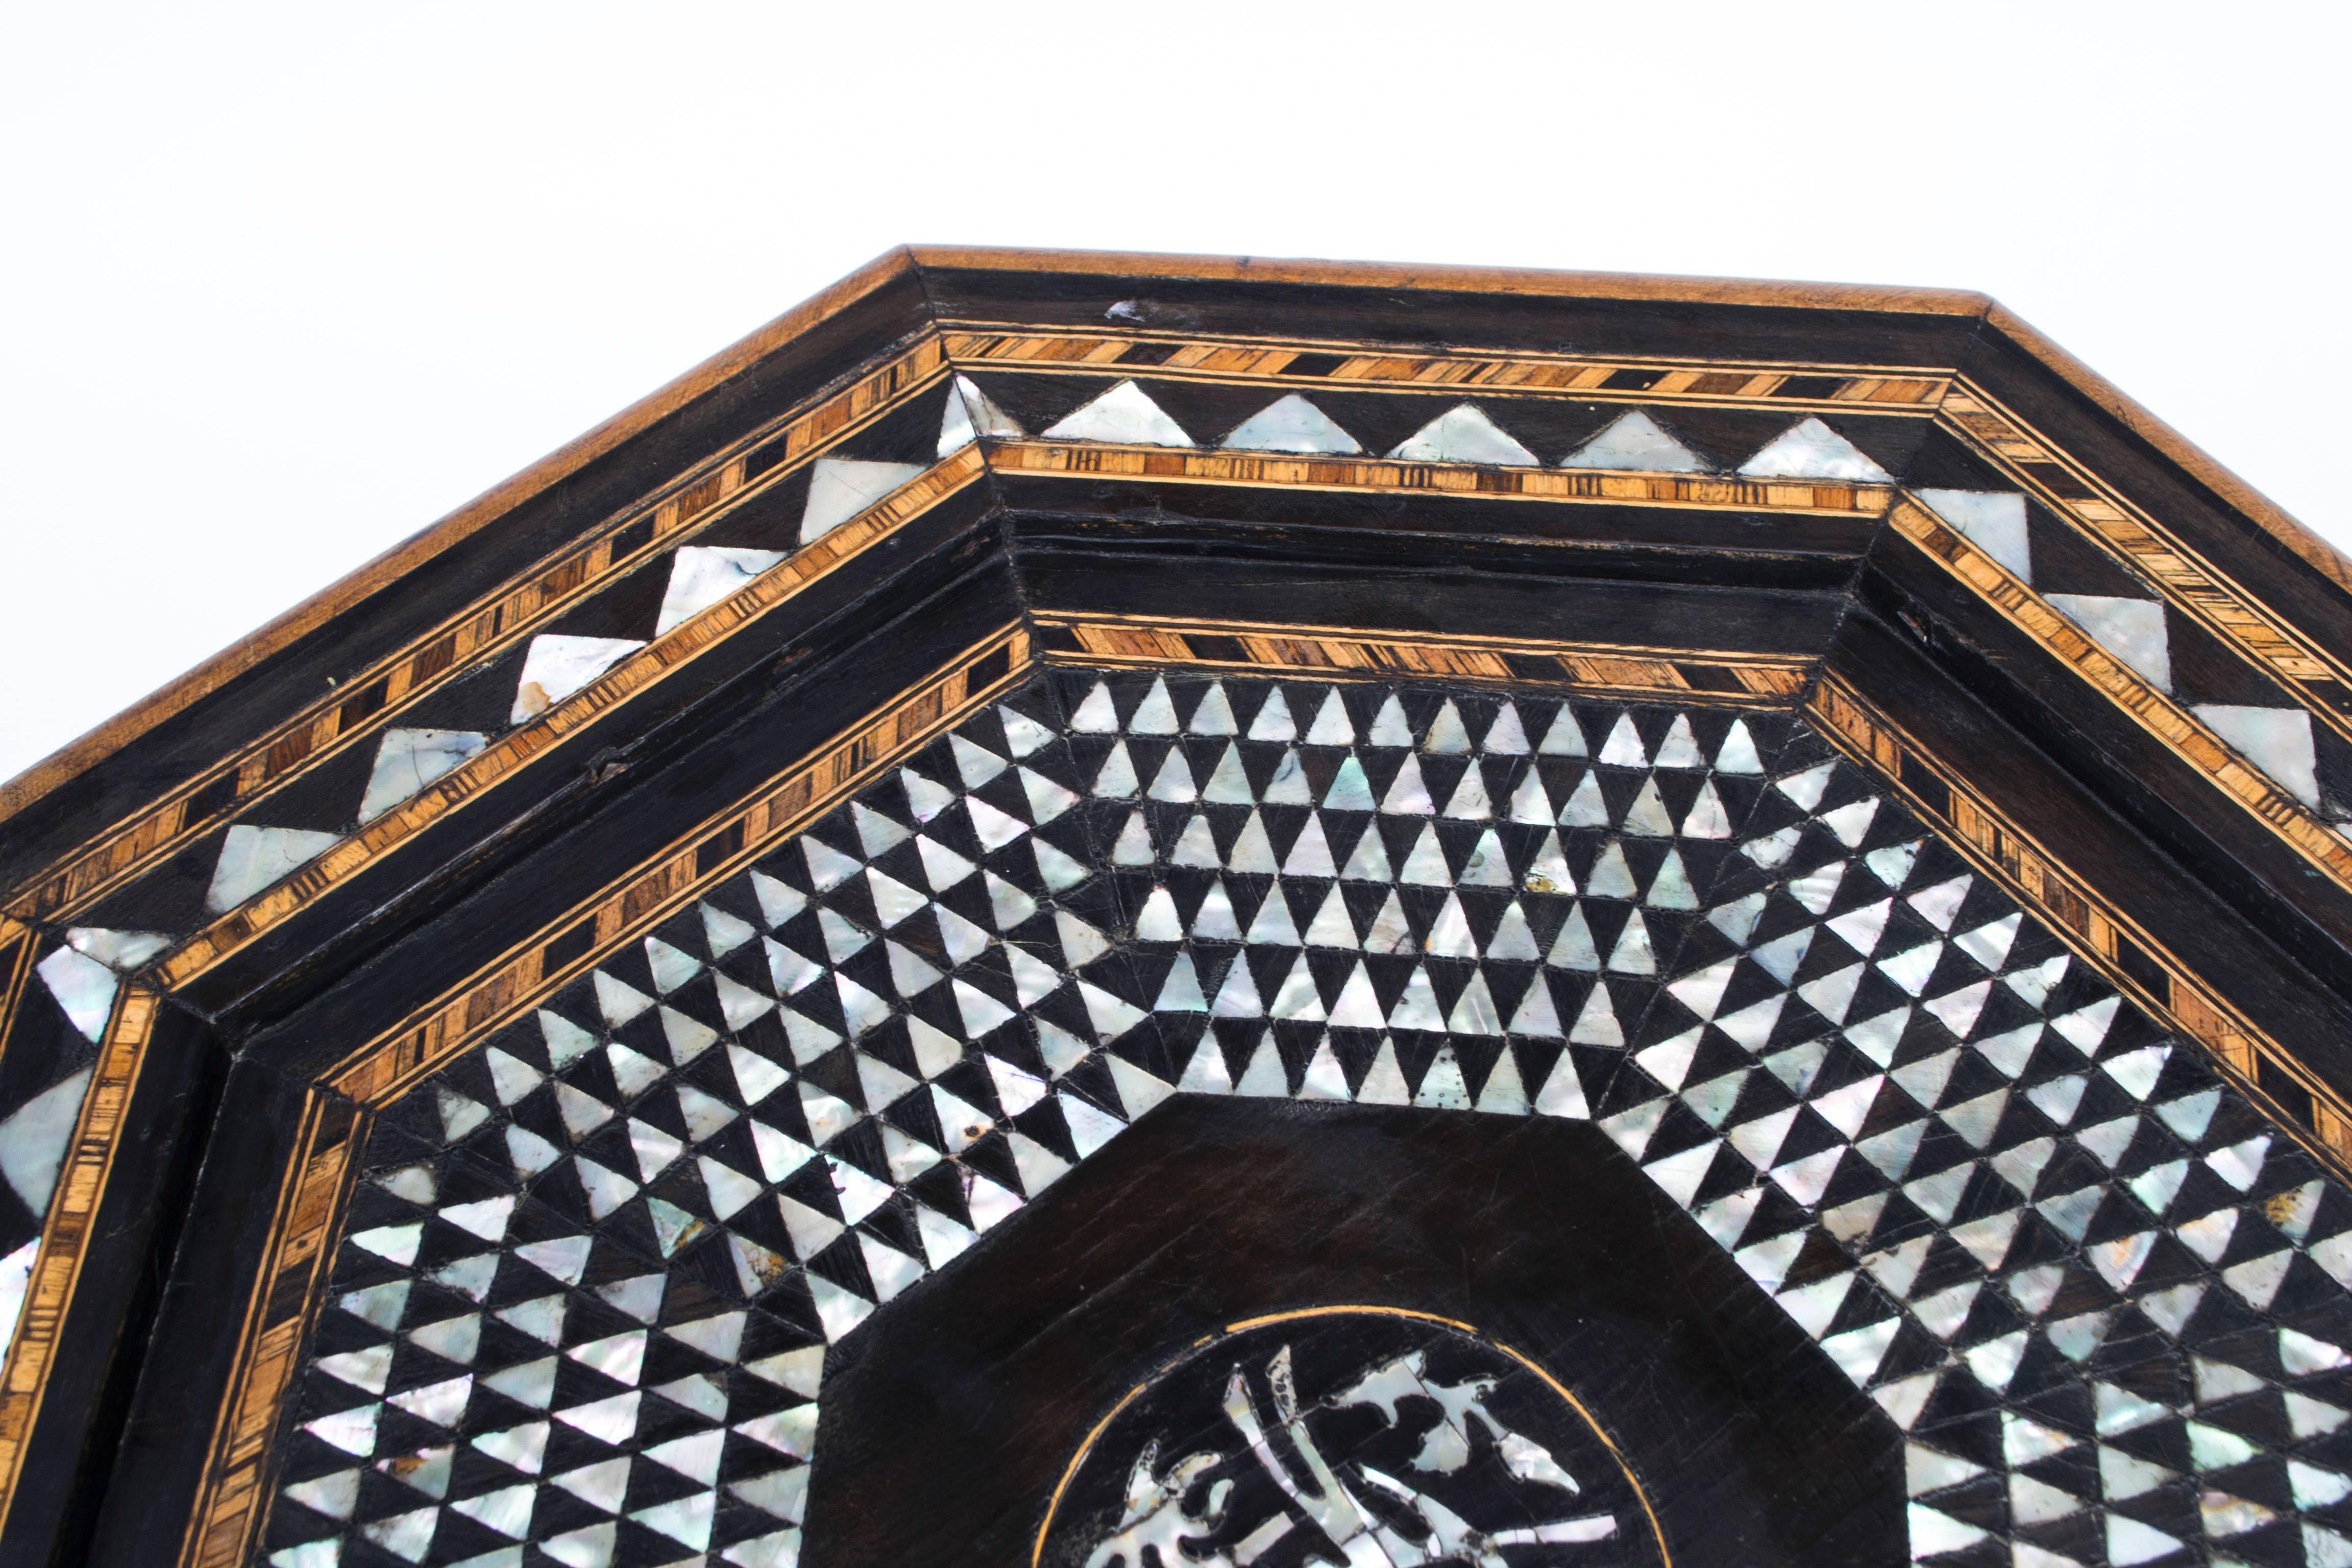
281	284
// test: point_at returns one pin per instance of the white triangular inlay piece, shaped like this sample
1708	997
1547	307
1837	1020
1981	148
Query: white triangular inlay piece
971	413
1125	415
841	487
2131	629
556	667
120	950
1464	433
1635	441
2275	740
1290	425
83	986
408	760
33	1142
1810	449
251	859
701	575
1993	520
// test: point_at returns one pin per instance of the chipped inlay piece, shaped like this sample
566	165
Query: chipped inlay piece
1343	654
408	760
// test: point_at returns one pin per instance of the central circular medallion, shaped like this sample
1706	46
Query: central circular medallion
1363	1436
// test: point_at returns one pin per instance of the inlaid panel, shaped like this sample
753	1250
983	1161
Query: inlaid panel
598	1276
1102	910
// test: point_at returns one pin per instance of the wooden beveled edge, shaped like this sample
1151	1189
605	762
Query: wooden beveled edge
2257	508
1535	282
2195	1009
78	755
1349	473
315	1184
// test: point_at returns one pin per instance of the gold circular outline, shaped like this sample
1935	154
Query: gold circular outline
1086	1447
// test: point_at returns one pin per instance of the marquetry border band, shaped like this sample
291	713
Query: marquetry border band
1341	653
1357	367
373	697
1184	465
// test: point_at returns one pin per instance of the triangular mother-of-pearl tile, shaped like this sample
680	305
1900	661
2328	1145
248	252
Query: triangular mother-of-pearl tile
1635	441
1810	449
2275	740
408	760
841	487
1290	425
971	413
32	1140
556	667
120	950
251	859
2131	629
700	576
1125	415
1993	520
1464	433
